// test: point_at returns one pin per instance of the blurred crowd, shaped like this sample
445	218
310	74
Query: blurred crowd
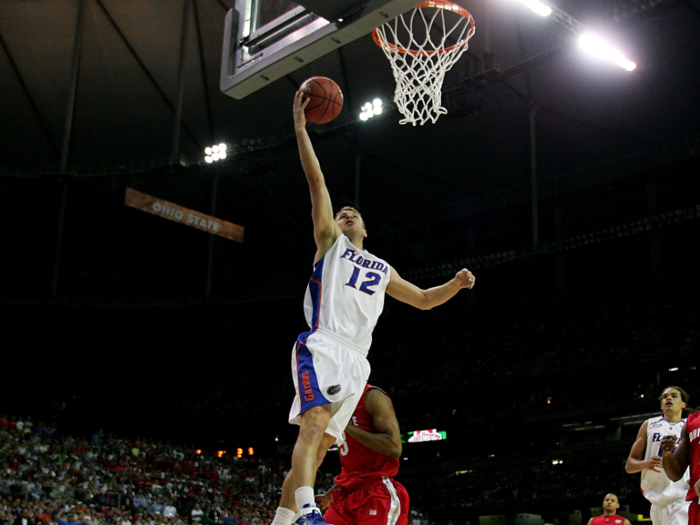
535	488
62	480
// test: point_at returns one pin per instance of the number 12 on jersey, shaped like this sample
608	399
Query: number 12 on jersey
369	279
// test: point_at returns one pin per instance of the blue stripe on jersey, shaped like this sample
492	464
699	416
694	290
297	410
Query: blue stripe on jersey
309	393
315	289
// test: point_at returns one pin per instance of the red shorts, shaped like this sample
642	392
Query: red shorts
693	512
381	502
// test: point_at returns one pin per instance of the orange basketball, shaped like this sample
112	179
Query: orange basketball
326	99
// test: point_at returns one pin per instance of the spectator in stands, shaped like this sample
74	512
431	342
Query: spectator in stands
197	514
24	518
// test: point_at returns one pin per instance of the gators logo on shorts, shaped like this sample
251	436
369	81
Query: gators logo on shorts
333	390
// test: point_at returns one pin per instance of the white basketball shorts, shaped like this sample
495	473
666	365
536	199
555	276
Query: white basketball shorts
327	371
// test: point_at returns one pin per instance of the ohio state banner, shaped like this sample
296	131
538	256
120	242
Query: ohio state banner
168	210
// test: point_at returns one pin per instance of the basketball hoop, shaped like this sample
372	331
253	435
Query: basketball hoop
420	56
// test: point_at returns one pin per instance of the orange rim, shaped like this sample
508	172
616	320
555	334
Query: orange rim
437	4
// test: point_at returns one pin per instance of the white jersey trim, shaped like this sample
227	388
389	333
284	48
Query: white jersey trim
395	509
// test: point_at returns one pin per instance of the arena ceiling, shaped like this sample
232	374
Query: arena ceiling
105	118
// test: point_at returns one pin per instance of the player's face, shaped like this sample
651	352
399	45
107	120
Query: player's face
351	222
610	503
671	400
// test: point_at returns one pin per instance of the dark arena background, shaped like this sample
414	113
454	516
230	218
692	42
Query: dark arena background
570	189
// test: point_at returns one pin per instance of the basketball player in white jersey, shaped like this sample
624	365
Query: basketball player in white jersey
342	304
668	505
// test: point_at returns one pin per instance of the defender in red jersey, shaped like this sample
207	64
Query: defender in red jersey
686	455
365	492
610	516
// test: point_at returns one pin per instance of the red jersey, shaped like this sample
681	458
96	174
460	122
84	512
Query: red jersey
608	520
360	464
692	425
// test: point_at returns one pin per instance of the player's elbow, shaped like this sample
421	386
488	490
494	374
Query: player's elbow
426	303
628	467
396	450
673	475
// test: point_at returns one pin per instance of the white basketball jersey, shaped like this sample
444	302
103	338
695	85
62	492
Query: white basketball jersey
656	486
345	295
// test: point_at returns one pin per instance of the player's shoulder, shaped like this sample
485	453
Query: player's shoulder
655	421
374	394
378	389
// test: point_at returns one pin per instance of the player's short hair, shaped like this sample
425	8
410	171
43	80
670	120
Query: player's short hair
349	208
684	394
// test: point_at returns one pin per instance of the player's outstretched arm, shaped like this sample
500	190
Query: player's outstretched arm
326	231
409	293
675	463
635	463
387	438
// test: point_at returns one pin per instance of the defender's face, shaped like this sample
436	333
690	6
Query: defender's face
672	400
610	503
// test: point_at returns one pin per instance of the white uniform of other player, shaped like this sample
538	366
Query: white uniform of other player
668	505
342	304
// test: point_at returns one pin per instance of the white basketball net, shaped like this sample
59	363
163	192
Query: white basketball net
420	60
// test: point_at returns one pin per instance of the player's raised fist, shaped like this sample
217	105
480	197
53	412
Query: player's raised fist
668	443
465	278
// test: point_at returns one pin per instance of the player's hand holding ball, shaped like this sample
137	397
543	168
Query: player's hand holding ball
299	109
325	99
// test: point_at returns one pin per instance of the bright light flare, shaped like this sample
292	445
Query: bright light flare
215	153
370	109
538	7
596	46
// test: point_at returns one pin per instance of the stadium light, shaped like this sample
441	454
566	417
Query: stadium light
215	153
587	39
370	109
538	7
599	48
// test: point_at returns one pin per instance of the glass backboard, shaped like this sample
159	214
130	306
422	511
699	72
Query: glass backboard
265	40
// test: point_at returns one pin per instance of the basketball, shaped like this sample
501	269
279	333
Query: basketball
326	99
